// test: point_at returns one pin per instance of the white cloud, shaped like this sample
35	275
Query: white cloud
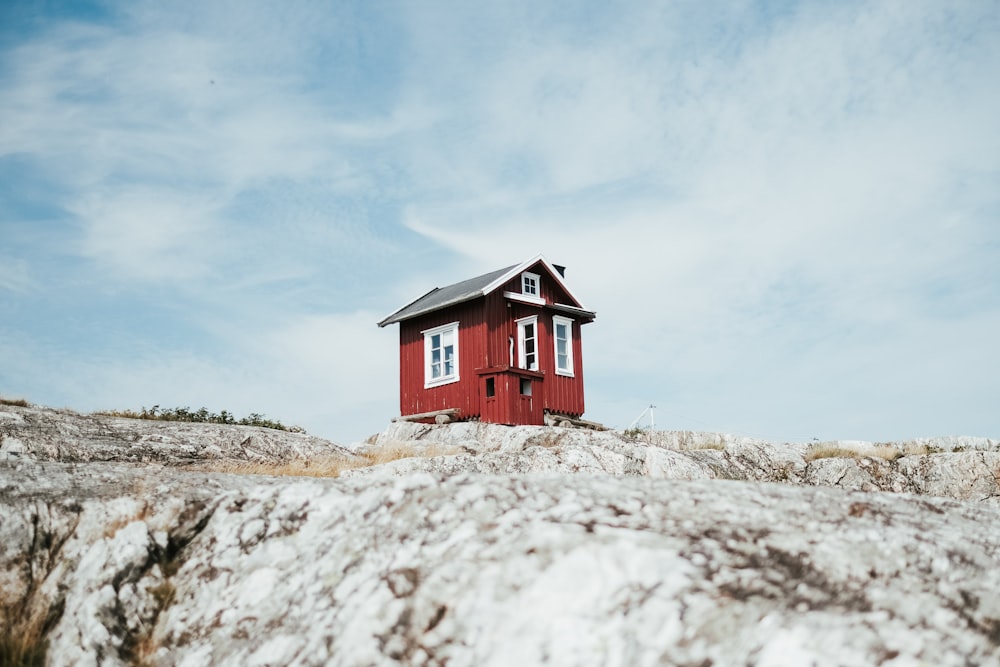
758	211
15	276
805	194
334	375
153	130
150	234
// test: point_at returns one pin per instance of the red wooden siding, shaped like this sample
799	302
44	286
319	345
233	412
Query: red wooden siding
486	327
464	394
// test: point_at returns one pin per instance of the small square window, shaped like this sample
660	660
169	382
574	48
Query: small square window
491	388
529	284
525	386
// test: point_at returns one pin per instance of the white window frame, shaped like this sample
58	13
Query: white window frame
557	321
429	334
522	324
529	279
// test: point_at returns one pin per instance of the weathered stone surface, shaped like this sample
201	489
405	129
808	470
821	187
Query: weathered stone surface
963	468
177	568
533	545
62	435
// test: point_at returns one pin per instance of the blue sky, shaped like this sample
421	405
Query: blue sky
787	215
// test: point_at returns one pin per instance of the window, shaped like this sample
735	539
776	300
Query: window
562	328
529	284
527	343
441	355
491	387
525	386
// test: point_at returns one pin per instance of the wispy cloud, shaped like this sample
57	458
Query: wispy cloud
153	125
785	198
14	275
781	214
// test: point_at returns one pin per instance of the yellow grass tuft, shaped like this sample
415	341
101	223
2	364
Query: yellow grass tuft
834	451
333	466
23	640
396	450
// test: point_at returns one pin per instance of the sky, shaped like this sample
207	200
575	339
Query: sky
786	215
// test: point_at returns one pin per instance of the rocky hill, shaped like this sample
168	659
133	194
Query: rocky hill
960	468
64	435
519	546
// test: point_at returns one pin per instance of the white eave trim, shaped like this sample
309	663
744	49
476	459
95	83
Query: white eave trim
521	268
573	310
524	298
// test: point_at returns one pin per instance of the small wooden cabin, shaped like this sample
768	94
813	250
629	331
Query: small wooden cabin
503	347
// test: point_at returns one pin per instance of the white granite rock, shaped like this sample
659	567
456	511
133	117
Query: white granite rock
497	570
530	545
47	434
960	468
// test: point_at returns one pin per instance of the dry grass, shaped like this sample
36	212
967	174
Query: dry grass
680	441
913	449
112	527
23	640
19	402
705	445
316	467
333	466
830	452
834	451
395	450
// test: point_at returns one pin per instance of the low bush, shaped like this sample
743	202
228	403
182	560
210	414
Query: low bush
201	416
19	402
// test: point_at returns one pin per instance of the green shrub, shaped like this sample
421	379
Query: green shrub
201	416
19	402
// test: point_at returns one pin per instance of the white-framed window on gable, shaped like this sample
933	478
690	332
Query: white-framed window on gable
562	335
441	355
530	284
527	343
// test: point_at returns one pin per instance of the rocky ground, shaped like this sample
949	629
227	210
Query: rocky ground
527	546
64	435
959	468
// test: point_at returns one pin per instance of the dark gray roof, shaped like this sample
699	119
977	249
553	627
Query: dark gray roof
441	297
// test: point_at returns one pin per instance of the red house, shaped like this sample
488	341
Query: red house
503	347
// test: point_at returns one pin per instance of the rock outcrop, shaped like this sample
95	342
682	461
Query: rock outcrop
63	435
959	468
161	566
527	546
